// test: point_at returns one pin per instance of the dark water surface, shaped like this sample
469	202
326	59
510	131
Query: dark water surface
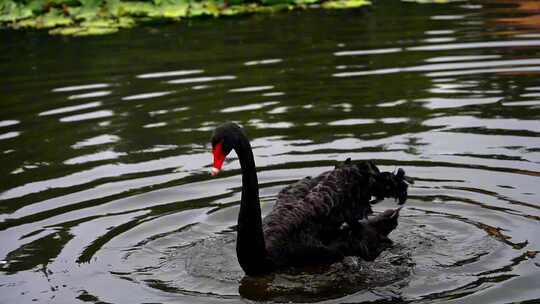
105	194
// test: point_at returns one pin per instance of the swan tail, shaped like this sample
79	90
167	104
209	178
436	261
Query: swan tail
386	184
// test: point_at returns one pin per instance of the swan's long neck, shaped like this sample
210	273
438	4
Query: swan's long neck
250	245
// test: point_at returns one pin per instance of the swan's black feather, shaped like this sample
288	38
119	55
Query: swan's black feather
305	223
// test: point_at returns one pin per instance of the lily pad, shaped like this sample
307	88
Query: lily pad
37	6
98	23
274	2
344	4
11	11
137	9
66	31
125	22
236	10
82	13
83	31
51	19
203	9
175	11
432	1
303	2
97	31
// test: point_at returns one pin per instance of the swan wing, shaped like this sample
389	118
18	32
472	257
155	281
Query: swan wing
296	192
316	208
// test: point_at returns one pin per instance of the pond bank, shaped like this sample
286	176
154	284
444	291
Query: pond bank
95	17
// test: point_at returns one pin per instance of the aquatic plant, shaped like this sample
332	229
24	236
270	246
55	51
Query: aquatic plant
94	17
433	1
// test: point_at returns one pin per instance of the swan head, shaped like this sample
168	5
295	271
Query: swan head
224	139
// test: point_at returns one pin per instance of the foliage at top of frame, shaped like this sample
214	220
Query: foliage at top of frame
94	17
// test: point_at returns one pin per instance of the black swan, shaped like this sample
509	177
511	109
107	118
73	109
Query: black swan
315	220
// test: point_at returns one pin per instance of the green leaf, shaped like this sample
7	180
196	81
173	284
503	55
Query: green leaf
92	3
83	13
97	31
274	2
206	8
37	6
12	11
126	22
98	23
432	1
83	31
137	9
344	4
175	11
66	31
53	18
236	10
306	1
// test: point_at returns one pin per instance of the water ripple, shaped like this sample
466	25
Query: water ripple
7	123
88	116
493	123
461	58
271	94
439	39
75	108
448	103
263	61
254	106
90	95
440	32
368	52
531	69
447	68
100	156
147	95
82	87
169	74
155	125
96	141
476	45
351	122
9	135
252	89
201	79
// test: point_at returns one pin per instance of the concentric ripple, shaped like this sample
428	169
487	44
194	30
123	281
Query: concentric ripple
430	254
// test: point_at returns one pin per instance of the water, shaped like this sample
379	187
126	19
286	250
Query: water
105	192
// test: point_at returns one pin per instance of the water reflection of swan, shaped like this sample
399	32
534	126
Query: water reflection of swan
315	220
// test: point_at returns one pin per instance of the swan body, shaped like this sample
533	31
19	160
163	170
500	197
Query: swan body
314	221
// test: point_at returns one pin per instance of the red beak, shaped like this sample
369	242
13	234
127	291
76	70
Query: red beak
219	157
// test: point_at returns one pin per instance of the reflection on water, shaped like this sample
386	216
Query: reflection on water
106	194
